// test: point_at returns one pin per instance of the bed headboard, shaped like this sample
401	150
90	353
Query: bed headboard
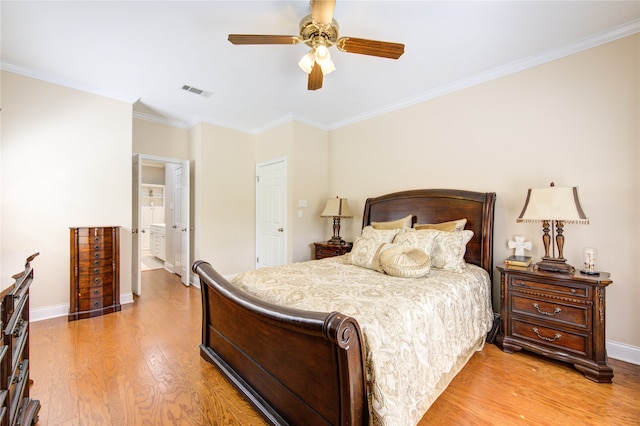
442	205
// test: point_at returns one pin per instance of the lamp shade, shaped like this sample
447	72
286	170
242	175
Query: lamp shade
336	207
553	203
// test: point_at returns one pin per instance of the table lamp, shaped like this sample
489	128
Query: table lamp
548	205
336	208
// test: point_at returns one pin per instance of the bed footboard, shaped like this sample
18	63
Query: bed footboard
294	366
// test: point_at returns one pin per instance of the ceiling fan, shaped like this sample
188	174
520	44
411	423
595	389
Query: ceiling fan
320	31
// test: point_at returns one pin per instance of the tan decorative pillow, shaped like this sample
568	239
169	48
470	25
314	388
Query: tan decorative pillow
454	225
449	249
365	246
405	262
425	239
405	222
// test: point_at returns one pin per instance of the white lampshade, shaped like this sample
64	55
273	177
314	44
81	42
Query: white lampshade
336	207
328	67
306	63
322	54
553	203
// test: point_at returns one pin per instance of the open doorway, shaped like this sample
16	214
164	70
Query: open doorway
161	229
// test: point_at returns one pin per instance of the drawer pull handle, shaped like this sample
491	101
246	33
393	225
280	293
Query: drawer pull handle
96	292
17	332
548	339
96	247
96	263
96	280
557	310
96	239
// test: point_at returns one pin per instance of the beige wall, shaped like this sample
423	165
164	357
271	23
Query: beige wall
66	162
224	197
573	121
306	151
160	140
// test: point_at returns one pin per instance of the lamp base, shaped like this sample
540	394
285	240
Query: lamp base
555	264
336	240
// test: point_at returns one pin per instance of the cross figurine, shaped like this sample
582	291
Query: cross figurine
520	245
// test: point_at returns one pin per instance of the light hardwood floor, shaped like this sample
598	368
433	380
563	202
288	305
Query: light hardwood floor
142	366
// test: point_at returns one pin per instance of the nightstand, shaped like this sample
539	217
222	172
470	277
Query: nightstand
324	249
561	316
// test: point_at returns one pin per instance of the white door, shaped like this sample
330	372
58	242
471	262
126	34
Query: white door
271	202
181	227
136	277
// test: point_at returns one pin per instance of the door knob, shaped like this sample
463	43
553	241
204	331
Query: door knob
280	229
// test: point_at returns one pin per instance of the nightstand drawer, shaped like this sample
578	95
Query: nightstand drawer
327	252
574	315
520	284
324	250
556	338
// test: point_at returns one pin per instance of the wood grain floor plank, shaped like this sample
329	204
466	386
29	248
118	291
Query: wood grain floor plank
142	366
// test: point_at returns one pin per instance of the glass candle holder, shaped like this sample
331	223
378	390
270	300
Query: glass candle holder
590	258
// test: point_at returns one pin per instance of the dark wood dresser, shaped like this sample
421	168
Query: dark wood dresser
16	407
95	271
324	249
561	316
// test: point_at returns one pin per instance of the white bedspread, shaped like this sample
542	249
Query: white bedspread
414	329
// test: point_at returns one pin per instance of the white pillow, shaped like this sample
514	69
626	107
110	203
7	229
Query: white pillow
405	262
449	249
365	246
424	239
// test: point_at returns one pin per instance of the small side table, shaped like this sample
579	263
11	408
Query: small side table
324	249
561	316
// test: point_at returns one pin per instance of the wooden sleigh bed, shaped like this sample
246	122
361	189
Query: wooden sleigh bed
307	367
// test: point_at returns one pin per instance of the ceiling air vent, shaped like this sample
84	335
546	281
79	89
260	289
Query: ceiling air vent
196	90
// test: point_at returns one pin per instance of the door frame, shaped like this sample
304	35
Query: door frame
136	249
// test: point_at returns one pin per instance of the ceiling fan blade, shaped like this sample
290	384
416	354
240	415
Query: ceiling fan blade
315	77
322	11
363	46
263	39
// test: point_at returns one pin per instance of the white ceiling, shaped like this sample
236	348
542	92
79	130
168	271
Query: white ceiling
145	51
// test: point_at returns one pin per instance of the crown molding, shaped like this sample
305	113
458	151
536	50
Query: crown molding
17	69
161	120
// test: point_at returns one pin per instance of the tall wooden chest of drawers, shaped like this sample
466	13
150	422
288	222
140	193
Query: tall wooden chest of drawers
95	271
561	316
16	406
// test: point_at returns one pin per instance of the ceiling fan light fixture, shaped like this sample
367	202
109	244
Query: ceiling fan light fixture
306	63
322	54
328	67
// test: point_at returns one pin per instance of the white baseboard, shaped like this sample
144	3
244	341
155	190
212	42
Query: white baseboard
56	311
48	312
623	352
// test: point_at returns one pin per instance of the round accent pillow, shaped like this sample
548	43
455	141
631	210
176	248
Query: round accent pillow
405	262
